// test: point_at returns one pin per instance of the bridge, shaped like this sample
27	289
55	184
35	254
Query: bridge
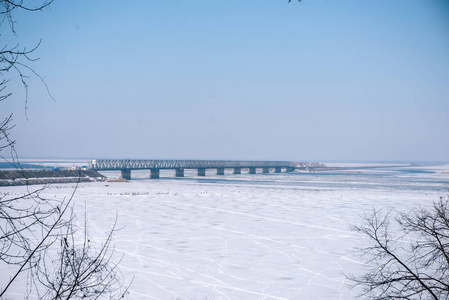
126	165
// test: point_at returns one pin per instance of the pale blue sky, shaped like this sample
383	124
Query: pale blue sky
319	80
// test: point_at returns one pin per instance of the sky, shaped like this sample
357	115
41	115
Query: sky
318	80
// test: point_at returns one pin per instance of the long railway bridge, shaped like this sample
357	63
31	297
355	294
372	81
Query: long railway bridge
126	165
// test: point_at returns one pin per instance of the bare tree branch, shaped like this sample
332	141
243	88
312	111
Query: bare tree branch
414	265
38	237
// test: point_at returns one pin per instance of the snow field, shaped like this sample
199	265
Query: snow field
276	236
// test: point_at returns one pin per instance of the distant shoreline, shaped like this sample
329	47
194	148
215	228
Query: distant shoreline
29	177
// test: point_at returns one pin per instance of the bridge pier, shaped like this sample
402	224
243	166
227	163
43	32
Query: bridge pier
290	169
220	171
154	173
179	172
277	170
237	170
265	170
252	171
126	174
201	172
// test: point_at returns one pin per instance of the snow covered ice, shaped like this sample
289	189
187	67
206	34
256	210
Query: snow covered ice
263	236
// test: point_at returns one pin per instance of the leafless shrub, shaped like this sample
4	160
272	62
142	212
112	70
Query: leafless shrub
40	241
80	270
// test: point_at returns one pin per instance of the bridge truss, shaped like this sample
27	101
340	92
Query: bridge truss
136	164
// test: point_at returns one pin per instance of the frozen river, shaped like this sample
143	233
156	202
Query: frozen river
263	236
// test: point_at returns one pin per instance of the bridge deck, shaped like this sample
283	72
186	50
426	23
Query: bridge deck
136	164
